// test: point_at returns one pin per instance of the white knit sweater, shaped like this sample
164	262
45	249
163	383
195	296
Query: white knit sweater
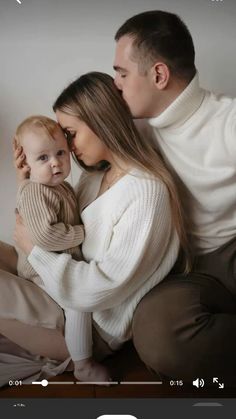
130	245
197	136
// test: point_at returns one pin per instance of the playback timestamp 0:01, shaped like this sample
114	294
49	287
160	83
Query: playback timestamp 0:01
15	383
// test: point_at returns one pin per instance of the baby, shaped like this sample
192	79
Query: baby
49	209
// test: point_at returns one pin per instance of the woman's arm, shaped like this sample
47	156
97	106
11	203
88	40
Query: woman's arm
141	239
39	207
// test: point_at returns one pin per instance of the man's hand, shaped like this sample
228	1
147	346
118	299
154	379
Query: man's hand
22	169
21	235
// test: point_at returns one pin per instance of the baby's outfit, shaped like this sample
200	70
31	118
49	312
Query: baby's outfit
51	215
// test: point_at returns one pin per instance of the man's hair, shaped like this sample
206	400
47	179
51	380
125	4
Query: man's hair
36	123
161	35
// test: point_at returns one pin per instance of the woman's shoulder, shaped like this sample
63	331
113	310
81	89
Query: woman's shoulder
139	191
145	182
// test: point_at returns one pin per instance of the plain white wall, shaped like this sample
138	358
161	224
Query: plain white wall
45	44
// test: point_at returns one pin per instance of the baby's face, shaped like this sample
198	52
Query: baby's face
48	158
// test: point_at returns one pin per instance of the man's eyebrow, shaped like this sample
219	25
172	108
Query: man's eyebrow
118	68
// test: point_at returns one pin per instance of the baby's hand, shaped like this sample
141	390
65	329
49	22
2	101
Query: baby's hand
22	169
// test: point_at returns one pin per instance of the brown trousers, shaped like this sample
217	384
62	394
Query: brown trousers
185	327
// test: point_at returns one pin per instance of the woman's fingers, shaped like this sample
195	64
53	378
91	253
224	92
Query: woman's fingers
14	143
19	161
18	155
19	219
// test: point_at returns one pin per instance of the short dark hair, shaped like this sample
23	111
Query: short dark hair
158	34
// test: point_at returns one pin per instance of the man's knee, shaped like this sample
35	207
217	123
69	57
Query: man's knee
162	329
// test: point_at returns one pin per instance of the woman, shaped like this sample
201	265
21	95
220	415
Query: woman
129	207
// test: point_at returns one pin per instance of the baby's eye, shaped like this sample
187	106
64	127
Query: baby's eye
61	152
43	157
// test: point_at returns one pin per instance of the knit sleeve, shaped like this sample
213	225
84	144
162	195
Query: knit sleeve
140	240
39	207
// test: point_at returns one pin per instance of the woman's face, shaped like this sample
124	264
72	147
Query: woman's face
83	142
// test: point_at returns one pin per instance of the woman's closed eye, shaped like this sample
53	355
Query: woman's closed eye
69	135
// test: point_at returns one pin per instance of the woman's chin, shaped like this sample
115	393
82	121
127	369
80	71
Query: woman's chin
89	162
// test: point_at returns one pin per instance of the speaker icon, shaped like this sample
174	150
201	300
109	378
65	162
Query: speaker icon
199	382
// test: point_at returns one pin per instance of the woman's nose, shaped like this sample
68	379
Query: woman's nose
71	146
117	82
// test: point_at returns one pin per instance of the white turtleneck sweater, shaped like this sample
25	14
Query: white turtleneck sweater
130	245
197	137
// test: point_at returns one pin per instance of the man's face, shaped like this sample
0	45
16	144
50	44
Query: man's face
138	90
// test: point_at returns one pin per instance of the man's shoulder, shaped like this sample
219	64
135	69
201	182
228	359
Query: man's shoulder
221	102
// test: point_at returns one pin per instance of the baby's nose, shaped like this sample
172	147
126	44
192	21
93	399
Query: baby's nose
55	162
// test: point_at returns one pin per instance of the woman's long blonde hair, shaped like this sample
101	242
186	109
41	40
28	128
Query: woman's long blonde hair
94	99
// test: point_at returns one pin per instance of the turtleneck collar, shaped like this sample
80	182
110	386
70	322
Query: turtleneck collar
182	108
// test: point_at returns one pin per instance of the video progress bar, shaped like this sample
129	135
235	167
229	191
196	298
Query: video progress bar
45	383
99	383
142	382
59	382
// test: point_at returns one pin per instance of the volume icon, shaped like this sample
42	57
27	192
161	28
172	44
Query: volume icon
199	382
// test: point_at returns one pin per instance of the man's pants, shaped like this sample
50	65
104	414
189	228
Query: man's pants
185	327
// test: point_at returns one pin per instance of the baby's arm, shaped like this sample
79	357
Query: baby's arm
39	206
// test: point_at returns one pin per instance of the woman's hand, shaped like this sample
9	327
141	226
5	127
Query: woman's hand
21	236
22	169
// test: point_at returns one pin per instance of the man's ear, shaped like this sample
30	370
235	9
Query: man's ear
161	75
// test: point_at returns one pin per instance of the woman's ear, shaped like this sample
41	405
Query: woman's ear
161	75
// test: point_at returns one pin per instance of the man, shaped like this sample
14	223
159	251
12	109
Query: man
186	326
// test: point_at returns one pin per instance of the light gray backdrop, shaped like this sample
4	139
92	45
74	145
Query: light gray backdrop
45	44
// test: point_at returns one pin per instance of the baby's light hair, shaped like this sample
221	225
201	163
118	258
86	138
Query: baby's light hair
35	123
